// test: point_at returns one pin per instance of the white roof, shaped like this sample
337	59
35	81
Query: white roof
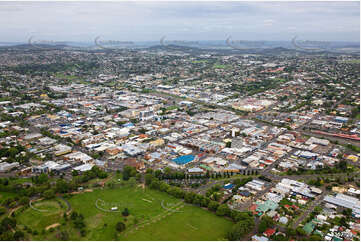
84	167
195	169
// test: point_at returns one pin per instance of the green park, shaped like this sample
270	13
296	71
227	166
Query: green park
151	215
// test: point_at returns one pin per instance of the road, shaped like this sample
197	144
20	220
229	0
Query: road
310	208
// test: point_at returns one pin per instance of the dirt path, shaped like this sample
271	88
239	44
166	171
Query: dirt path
13	210
52	226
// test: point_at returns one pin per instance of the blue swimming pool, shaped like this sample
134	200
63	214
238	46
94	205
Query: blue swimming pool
181	160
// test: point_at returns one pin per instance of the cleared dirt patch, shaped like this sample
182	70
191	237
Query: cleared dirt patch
52	226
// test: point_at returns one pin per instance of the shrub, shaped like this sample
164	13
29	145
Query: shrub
125	212
120	226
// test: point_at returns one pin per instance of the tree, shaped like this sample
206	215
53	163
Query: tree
205	201
132	181
73	215
342	165
213	205
2	210
128	171
120	226
163	186
279	237
138	177
315	237
291	232
158	173
266	222
300	231
347	212
24	200
62	186
155	184
240	229
75	173
148	178
188	198
125	212
18	235
48	194
63	235
8	222
223	210
125	176
42	178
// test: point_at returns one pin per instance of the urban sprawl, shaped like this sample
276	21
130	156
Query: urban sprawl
267	144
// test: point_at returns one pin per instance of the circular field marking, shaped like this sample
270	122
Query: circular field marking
99	203
170	207
51	203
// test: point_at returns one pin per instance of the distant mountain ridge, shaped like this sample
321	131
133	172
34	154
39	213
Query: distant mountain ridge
199	48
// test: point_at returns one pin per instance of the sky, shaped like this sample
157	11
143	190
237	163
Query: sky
150	21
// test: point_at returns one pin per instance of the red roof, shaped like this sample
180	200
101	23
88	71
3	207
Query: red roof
269	232
253	207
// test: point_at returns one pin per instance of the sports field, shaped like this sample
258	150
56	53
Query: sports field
153	216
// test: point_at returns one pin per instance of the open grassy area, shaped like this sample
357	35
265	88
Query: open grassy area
70	78
153	216
220	66
199	61
44	213
172	107
352	61
192	224
5	195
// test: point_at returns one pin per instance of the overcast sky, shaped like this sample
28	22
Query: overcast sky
139	21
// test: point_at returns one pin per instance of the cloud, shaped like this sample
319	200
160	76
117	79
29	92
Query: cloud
268	22
135	20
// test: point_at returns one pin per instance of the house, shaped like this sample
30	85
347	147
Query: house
32	136
139	165
259	238
269	232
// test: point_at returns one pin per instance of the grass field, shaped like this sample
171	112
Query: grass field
199	61
352	61
219	66
153	216
48	212
5	195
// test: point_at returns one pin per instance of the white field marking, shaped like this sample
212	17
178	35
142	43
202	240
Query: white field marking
192	226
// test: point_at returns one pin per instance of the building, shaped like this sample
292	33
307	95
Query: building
83	168
345	201
61	149
317	141
195	170
4	166
255	185
132	150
